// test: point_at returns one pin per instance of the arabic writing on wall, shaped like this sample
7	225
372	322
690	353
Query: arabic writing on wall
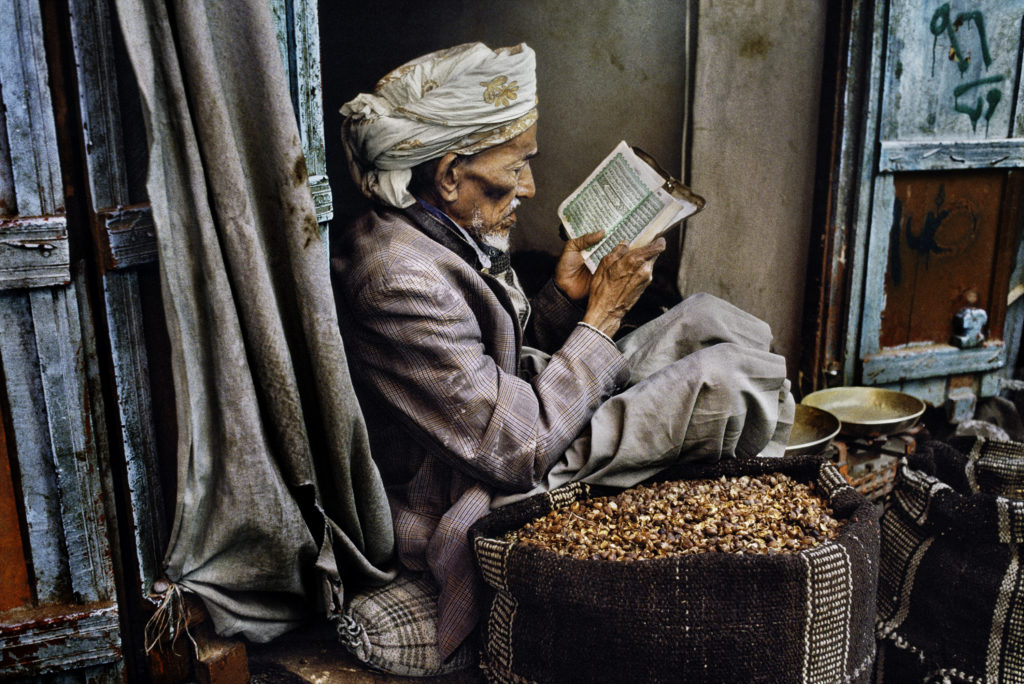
968	97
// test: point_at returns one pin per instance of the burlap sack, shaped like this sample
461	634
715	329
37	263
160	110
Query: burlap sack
712	617
951	588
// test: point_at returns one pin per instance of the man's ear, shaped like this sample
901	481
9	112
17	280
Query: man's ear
447	177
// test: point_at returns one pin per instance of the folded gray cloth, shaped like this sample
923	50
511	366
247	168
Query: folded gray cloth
704	385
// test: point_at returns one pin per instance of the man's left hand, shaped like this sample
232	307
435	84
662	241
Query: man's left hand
571	273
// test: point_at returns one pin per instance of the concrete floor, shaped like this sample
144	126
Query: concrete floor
314	655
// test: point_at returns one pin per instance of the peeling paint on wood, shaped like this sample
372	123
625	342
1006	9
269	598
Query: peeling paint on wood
74	623
931	360
900	155
323	201
298	33
131	371
311	111
952	70
93	44
307	61
41	352
62	367
127	237
32	449
931	390
31	132
43	641
947	80
8	200
861	180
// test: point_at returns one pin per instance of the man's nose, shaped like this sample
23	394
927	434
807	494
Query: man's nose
525	186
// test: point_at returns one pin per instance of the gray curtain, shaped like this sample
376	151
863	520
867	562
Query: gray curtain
278	504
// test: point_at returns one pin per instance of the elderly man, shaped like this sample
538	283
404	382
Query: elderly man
461	414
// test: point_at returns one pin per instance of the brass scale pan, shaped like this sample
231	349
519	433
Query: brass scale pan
854	411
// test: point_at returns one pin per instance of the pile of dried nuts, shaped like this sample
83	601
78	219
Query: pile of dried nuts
765	514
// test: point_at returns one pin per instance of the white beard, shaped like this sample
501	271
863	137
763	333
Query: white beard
502	241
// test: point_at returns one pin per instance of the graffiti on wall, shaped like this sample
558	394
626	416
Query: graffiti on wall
948	229
970	98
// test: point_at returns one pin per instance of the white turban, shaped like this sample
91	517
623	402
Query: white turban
463	99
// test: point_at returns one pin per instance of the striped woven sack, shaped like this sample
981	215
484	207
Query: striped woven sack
707	617
394	629
951	586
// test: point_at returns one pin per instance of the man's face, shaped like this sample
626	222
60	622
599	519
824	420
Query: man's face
490	186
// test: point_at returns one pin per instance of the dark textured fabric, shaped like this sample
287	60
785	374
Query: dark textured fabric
951	587
715	617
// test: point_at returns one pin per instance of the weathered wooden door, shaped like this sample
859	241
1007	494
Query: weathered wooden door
928	164
59	609
87	436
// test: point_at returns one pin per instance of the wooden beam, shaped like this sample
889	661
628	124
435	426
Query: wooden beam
930	360
904	155
31	131
127	237
55	640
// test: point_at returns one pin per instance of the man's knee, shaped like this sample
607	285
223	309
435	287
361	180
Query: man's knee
702	299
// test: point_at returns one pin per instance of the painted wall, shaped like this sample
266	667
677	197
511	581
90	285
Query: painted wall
755	118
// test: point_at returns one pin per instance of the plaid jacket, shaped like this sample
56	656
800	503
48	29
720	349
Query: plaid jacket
434	346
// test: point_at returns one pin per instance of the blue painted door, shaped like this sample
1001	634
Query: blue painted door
920	280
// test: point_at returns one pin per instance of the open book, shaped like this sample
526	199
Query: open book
629	197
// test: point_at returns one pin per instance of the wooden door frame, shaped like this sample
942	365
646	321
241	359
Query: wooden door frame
832	303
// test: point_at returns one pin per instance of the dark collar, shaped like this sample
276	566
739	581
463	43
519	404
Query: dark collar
436	230
499	260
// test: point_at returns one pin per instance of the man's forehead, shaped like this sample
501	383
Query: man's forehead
524	144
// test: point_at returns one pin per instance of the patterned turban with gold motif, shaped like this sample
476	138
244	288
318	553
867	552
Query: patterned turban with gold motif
463	99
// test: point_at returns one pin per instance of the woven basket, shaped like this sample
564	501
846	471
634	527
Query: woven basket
951	587
795	617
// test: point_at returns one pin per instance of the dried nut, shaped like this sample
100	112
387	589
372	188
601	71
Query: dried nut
768	514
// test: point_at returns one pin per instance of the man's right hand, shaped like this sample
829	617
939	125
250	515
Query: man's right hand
618	282
571	272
